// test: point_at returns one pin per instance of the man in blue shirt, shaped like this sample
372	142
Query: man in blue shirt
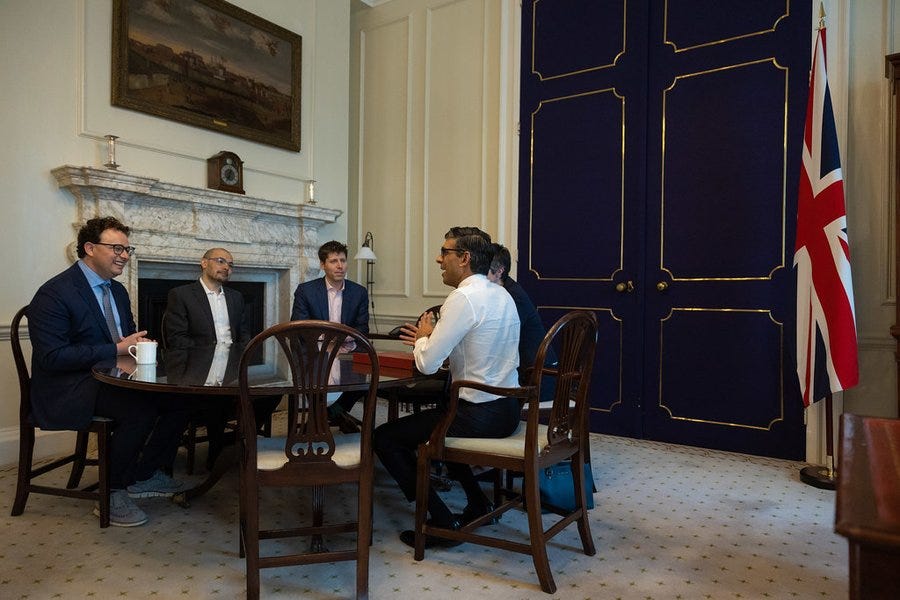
82	317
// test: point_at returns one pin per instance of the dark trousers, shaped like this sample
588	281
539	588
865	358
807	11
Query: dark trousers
146	435
216	412
396	443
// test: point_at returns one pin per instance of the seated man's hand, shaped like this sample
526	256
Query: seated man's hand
408	334
134	338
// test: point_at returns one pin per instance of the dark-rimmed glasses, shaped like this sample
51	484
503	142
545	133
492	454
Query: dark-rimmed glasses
117	249
446	251
222	261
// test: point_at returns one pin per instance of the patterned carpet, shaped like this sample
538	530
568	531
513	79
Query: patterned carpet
671	522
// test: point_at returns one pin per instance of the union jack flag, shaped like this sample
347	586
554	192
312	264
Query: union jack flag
826	318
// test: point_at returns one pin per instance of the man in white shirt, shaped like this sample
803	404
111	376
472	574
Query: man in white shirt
205	312
478	329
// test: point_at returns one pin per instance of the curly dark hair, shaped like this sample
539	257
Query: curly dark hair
332	247
94	228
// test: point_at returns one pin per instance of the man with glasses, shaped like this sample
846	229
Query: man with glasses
478	329
207	314
82	317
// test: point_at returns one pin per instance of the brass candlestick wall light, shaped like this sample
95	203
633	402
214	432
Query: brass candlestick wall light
111	152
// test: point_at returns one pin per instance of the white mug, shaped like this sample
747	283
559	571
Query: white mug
144	353
145	373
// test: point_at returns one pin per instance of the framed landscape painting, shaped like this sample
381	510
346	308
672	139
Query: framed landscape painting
210	64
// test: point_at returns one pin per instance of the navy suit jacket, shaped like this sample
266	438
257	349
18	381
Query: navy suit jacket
311	302
189	319
69	336
531	335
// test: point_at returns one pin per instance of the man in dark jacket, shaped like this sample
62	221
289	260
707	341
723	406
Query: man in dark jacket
82	317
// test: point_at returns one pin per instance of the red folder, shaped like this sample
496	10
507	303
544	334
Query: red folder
389	359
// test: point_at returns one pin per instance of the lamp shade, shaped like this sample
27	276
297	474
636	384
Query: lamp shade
365	253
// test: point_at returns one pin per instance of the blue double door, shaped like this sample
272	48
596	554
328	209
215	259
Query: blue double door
660	156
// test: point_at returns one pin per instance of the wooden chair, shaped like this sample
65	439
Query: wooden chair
531	448
100	426
309	455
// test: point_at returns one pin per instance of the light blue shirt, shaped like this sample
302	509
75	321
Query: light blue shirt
95	281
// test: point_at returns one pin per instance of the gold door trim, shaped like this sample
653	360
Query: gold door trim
541	76
618	269
667	41
621	361
780	326
784	161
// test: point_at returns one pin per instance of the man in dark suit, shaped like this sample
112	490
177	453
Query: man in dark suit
337	299
532	330
204	315
205	312
82	317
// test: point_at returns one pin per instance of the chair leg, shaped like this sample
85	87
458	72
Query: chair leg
81	444
23	481
423	483
250	535
190	444
393	405
103	460
584	528
587	460
364	534
536	534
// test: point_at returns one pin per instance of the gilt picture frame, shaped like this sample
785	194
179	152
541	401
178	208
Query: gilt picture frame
209	64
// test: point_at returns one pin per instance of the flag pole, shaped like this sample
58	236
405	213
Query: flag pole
823	477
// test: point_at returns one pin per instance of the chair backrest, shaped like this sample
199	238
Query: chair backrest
21	365
574	340
311	349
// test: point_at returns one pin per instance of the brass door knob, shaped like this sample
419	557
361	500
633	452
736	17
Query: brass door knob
625	287
662	286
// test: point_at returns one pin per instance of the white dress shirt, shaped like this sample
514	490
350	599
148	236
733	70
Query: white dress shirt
220	314
479	331
335	306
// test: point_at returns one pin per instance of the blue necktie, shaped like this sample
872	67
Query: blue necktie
108	314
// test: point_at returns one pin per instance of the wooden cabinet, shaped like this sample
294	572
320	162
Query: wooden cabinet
867	510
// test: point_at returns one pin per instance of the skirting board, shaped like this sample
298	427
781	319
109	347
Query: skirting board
47	444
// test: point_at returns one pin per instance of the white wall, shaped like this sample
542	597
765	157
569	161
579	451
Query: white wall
55	109
433	97
873	29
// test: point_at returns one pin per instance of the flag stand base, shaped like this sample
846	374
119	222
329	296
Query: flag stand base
820	477
824	478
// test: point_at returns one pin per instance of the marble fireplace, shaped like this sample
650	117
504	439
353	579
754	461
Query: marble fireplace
273	243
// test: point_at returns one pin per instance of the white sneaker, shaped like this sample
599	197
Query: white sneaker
159	484
123	512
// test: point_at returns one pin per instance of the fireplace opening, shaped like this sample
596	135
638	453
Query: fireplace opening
152	294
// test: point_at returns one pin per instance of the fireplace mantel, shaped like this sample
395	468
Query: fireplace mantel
173	225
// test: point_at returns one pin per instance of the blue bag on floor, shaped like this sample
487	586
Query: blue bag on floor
557	488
